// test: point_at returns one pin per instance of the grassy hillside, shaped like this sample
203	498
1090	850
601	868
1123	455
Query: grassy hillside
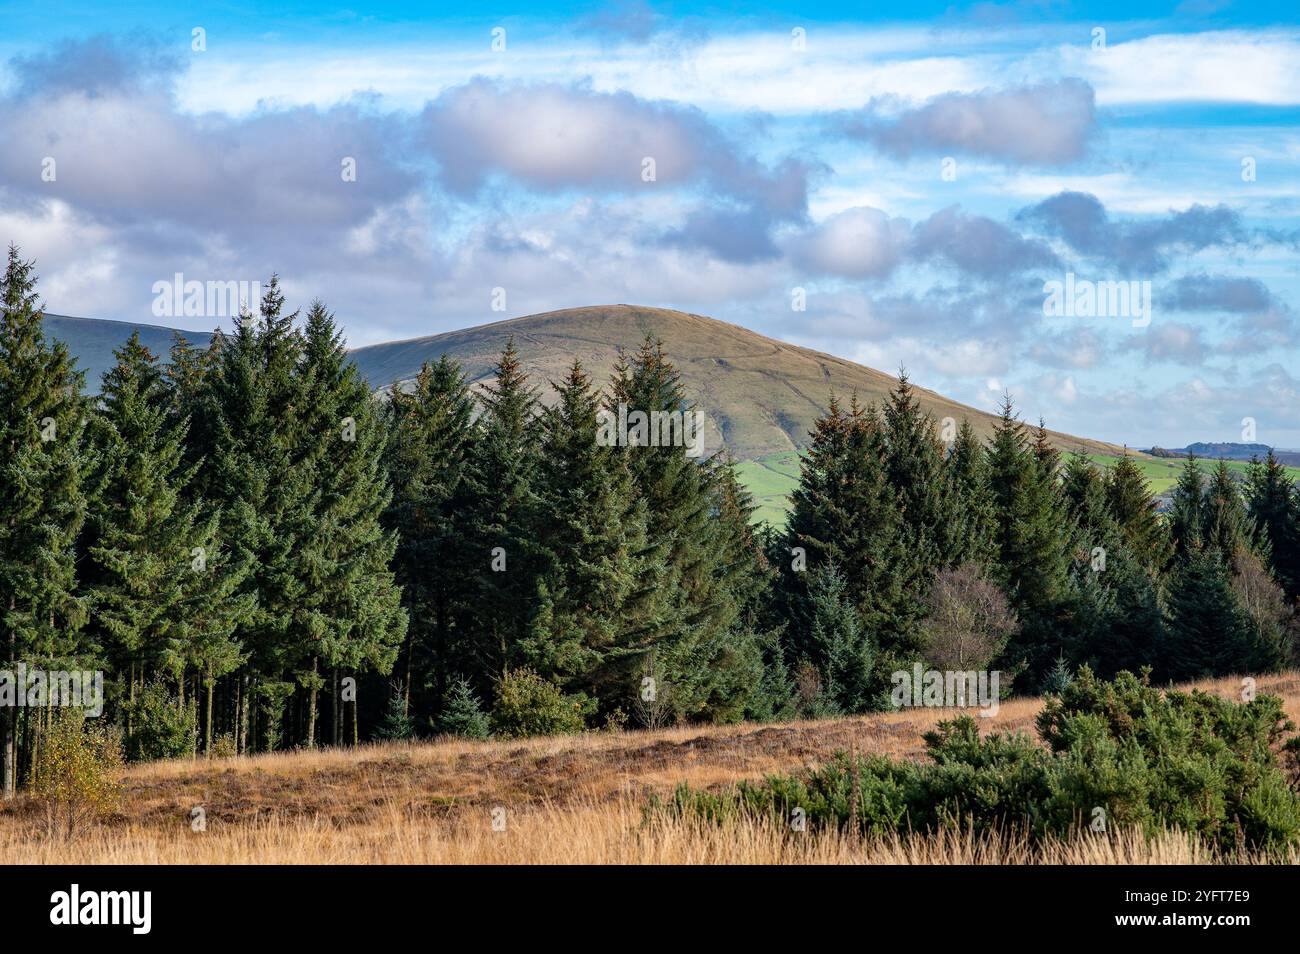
772	478
92	340
1162	473
760	396
566	799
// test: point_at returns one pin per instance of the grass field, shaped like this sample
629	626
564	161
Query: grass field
771	479
1162	473
562	800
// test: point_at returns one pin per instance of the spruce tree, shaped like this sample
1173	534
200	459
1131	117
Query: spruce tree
349	613
42	504
164	597
462	714
843	650
966	474
1132	507
1032	536
599	606
257	472
1224	520
505	551
1207	634
1273	504
913	463
1186	517
700	646
431	443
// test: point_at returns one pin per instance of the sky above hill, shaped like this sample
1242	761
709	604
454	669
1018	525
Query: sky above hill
896	189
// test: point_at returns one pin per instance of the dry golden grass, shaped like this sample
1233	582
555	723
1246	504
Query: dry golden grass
566	800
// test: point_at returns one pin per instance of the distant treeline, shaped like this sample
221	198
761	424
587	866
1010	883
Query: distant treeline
260	553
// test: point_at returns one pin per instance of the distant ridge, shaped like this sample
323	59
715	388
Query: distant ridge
93	340
761	396
1227	450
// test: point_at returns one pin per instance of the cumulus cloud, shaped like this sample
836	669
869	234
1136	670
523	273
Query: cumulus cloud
1169	342
555	136
1048	124
856	243
864	242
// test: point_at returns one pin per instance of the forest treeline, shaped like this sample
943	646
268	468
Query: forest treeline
258	552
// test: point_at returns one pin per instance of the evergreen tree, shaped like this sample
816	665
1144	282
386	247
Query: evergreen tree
42	503
599	608
1225	524
349	613
842	648
1032	537
463	714
1273	504
966	473
1132	507
163	597
845	512
505	552
431	443
702	649
1208	635
1186	517
1084	491
257	472
913	464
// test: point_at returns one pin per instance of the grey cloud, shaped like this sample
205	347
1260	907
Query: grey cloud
733	236
95	66
1168	342
977	245
1048	124
1081	221
1203	292
1078	350
864	242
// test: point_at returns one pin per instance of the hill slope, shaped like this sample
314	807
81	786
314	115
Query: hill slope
92	341
761	396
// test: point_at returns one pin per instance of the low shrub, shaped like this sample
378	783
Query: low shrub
161	728
1115	754
75	775
527	704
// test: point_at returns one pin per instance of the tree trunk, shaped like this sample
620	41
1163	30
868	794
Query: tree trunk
207	725
311	705
336	711
406	692
7	755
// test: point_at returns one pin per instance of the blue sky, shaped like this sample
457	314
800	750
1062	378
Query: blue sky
917	178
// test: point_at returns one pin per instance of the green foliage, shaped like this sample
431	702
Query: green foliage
75	774
527	705
1058	678
161	727
397	724
463	715
1146	758
42	493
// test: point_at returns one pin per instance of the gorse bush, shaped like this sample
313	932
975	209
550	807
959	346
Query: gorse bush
1121	753
529	705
